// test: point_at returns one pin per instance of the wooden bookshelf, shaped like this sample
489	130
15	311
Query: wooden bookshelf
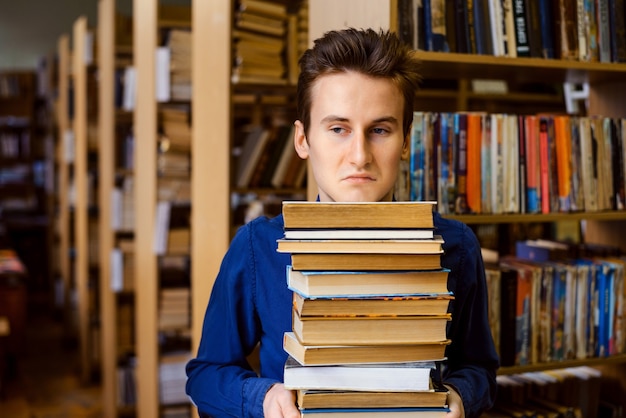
106	138
81	240
607	91
63	182
144	45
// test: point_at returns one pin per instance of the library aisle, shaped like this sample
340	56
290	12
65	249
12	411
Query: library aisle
43	381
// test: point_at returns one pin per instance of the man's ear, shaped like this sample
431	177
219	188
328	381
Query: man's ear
406	147
299	140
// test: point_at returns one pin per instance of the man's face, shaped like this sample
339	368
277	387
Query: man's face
355	139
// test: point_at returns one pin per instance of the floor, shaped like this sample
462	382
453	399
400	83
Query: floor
43	379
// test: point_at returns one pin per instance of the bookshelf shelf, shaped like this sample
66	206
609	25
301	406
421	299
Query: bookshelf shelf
619	359
548	217
455	65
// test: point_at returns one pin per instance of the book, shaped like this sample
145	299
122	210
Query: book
411	376
369	330
359	234
436	304
319	283
308	399
366	215
365	261
376	412
348	354
343	246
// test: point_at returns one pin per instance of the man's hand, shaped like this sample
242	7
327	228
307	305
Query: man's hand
455	403
280	403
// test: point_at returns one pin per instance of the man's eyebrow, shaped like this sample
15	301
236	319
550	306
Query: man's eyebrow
389	119
336	118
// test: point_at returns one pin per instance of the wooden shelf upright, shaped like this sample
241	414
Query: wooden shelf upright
147	351
79	73
106	136
64	129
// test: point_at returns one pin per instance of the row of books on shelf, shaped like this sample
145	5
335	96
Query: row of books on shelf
15	144
172	378
364	340
267	159
267	39
555	305
568	392
476	162
584	30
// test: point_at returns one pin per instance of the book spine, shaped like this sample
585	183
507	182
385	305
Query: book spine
428	26
583	47
438	25
544	159
474	136
461	27
546	23
417	158
522	187
604	36
522	46
591	29
460	137
617	30
471	25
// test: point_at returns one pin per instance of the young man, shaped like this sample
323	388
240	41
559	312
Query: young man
355	109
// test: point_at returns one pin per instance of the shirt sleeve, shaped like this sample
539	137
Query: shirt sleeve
220	381
472	359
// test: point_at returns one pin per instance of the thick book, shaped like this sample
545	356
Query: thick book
301	214
436	304
375	412
319	283
411	376
359	234
365	261
369	330
308	399
371	246
349	354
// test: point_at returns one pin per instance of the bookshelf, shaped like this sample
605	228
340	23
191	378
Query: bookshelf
80	127
607	89
106	136
24	168
64	132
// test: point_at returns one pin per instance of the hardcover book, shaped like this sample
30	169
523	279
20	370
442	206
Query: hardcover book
369	330
349	354
308	399
301	214
435	304
368	246
365	261
413	376
320	283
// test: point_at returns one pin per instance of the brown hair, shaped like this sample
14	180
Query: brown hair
376	54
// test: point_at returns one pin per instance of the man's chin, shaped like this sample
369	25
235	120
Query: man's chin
361	196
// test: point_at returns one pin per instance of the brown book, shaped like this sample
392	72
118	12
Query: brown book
357	246
365	261
301	214
369	330
347	354
377	305
357	399
321	283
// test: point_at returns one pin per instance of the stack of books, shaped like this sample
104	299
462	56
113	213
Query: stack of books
370	304
259	34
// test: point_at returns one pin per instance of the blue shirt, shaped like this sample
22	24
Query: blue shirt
250	303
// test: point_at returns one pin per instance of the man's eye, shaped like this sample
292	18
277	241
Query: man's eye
337	130
380	131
